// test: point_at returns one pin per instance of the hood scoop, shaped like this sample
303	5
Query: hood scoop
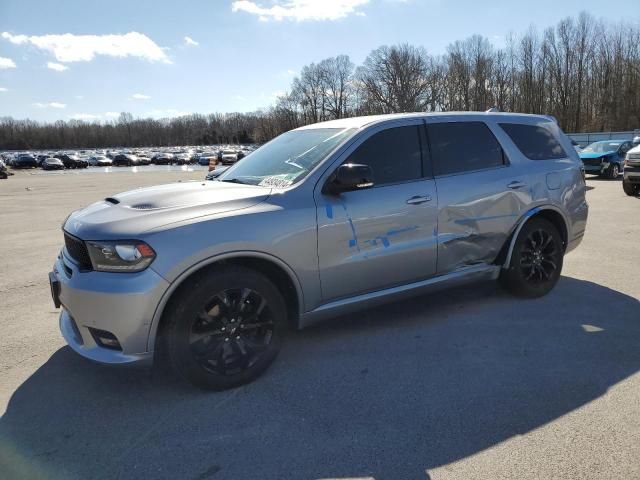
112	200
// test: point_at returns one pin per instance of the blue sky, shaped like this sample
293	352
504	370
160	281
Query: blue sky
93	59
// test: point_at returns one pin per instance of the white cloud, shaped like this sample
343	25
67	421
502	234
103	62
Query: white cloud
50	104
58	67
79	97
6	63
140	96
3	89
190	41
84	116
112	114
239	98
68	48
300	10
291	72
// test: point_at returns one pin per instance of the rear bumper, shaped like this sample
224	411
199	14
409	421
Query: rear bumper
121	304
578	226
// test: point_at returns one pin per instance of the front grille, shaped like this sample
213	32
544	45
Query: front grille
77	250
633	156
592	162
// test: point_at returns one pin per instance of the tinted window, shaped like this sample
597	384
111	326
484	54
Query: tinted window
393	155
536	143
463	147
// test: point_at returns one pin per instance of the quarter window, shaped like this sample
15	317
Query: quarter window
394	155
458	147
535	142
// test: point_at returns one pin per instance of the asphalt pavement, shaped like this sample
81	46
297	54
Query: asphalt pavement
464	384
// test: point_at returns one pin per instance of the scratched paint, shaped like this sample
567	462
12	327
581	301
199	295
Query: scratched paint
329	210
353	242
385	240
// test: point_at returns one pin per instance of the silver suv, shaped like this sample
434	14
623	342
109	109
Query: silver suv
325	219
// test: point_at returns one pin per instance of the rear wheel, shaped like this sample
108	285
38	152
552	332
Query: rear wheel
225	329
536	261
630	188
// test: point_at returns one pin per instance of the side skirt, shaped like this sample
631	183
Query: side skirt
372	299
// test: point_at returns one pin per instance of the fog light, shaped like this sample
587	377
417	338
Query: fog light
105	339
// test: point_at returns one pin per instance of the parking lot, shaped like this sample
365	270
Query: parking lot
469	383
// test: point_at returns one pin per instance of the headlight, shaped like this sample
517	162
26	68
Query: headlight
120	256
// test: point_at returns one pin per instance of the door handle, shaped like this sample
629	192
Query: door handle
516	185
418	199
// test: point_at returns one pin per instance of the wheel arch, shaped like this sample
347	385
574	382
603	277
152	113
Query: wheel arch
548	212
276	270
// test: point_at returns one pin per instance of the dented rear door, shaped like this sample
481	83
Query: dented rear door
481	193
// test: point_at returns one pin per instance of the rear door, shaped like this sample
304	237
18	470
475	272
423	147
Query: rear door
481	194
384	236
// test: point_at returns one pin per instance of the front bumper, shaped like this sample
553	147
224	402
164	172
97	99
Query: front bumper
596	169
120	303
631	173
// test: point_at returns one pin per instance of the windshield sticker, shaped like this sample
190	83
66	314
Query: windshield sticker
277	181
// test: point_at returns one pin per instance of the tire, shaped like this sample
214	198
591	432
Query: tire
630	189
534	271
613	171
210	342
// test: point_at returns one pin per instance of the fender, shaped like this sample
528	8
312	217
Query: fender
523	220
155	322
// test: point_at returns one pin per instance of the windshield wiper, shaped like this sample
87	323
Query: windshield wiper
234	180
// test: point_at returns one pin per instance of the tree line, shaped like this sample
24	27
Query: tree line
583	71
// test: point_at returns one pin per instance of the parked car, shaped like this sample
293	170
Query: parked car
25	161
162	159
125	160
605	157
52	163
631	173
229	157
144	160
100	161
71	161
323	220
180	159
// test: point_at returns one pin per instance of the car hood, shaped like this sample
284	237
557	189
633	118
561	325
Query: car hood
596	154
135	212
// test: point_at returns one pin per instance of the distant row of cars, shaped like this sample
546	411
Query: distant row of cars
222	155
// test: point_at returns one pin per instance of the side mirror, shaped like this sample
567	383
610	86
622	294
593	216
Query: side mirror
348	177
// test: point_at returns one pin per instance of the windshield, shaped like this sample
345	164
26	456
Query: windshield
602	147
286	159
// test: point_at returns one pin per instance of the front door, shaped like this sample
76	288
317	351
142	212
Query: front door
384	236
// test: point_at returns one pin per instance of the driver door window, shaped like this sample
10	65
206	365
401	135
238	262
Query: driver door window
394	155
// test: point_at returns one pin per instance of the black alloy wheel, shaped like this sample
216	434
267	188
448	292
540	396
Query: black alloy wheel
231	333
536	260
224	327
539	257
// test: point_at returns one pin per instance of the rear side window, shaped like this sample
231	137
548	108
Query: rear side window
394	155
535	142
458	147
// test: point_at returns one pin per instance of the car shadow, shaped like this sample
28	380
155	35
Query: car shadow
388	393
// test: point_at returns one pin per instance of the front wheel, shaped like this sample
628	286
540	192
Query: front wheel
536	261
225	328
614	171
